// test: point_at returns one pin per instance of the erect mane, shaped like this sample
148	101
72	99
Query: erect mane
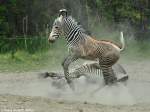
77	23
73	20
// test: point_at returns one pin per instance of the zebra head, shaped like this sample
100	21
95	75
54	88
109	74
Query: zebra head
57	29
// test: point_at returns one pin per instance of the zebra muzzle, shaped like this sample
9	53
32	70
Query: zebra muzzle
51	41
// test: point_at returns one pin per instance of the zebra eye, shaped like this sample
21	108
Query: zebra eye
56	27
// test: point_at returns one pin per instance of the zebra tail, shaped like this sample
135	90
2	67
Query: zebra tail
122	41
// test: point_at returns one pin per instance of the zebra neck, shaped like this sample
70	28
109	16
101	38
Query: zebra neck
72	34
74	37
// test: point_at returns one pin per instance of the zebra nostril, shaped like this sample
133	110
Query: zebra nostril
51	41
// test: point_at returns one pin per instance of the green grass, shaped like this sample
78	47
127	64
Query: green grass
52	58
25	61
137	50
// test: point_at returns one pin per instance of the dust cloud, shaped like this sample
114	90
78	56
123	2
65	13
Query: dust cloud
135	91
117	94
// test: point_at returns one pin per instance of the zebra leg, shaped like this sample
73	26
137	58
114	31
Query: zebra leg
68	60
108	74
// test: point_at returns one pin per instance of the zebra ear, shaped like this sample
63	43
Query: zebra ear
63	12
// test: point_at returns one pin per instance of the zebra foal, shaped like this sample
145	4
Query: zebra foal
83	46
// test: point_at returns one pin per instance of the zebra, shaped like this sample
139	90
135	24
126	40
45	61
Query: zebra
92	71
92	74
83	46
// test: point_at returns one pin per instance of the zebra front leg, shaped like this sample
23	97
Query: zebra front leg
68	60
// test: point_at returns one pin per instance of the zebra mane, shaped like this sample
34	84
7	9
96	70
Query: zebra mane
73	20
77	23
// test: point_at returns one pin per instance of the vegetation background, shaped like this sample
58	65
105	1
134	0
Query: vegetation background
26	24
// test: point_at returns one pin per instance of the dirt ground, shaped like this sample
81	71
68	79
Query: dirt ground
40	104
27	92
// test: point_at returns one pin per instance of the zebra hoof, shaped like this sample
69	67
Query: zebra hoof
43	75
71	85
123	79
111	81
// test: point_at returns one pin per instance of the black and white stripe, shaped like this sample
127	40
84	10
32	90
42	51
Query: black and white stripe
72	31
91	73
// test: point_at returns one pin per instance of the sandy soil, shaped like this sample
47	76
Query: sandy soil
27	92
40	104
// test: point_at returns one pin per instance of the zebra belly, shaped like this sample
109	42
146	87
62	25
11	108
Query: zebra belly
89	58
84	53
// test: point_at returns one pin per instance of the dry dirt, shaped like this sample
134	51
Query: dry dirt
27	92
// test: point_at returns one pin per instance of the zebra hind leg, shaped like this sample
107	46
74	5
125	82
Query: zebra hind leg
109	75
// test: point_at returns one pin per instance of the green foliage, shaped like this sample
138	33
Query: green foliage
32	44
39	15
51	60
25	61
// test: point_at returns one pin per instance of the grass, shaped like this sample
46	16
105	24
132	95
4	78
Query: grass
22	61
52	58
137	50
25	61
